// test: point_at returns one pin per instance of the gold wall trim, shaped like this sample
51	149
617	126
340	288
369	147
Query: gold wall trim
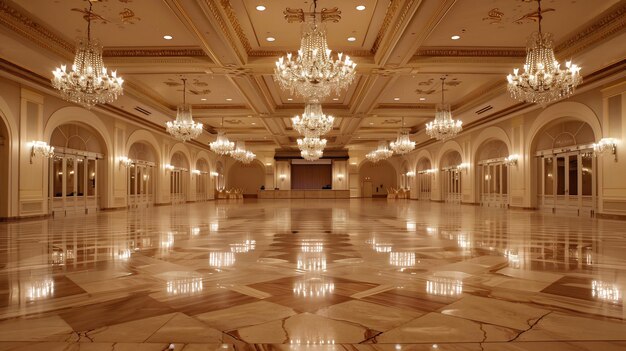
232	17
213	7
149	52
391	12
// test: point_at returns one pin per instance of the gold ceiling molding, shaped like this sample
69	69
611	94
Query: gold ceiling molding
391	12
19	22
213	7
611	22
435	51
232	17
153	52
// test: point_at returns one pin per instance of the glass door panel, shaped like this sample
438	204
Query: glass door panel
80	176
560	176
572	174
57	176
70	177
91	170
587	176
548	188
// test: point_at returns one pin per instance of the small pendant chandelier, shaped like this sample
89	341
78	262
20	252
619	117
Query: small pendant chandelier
443	127
184	128
311	148
222	146
381	153
241	154
403	144
88	83
314	122
543	80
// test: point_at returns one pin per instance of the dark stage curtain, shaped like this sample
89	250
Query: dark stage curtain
311	176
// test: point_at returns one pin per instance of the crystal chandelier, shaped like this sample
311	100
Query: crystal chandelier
311	155
222	146
403	143
241	154
88	83
311	148
184	128
313	122
543	80
443	127
314	73
381	153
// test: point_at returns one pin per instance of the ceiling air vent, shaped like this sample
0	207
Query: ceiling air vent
484	109
143	110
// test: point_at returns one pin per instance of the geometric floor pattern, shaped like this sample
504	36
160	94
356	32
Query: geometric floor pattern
356	274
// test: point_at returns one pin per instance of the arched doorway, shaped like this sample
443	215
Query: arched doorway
179	175
5	147
202	180
76	169
142	175
451	176
247	177
565	167
404	176
492	173
424	178
377	178
220	181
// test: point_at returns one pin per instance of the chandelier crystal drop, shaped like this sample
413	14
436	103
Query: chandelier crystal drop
311	155
543	81
241	154
314	72
381	153
403	143
313	122
88	82
311	143
443	127
184	128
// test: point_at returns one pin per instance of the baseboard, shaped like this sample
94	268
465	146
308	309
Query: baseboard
108	209
619	217
25	218
439	201
522	208
470	203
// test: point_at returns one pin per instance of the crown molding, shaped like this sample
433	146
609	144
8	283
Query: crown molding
438	51
154	52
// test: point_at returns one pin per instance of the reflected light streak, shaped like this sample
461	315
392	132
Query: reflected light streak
402	259
312	246
605	291
411	226
39	289
444	286
221	259
314	262
195	231
184	286
513	257
243	247
314	287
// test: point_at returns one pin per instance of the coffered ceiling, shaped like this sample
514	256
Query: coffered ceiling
402	48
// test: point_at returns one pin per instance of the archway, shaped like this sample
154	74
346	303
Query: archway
424	178
179	177
142	174
5	152
564	167
77	169
247	177
377	178
451	176
492	173
202	175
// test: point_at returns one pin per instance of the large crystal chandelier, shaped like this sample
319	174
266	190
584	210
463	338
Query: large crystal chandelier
88	83
184	128
381	153
311	155
443	127
314	73
241	154
313	122
311	148
403	143
222	146
543	80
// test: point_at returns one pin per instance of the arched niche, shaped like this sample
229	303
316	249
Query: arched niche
424	178
179	160
142	175
451	176
247	177
142	151
380	176
451	158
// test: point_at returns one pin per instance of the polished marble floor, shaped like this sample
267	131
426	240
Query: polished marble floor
315	274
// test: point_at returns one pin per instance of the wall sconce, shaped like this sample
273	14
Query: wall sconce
214	174
511	160
196	171
340	177
169	167
125	161
463	167
410	174
268	164
40	149
606	144
282	177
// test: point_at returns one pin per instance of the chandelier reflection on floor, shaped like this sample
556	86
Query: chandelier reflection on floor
543	80
88	83
241	154
443	127
184	128
314	72
381	153
222	146
403	144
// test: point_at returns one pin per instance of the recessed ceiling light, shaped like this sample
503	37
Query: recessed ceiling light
422	99
270	39
371	123
351	39
203	99
335	99
455	37
168	37
260	8
229	99
396	99
360	7
253	123
289	99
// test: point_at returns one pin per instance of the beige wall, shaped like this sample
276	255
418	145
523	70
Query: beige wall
382	175
248	178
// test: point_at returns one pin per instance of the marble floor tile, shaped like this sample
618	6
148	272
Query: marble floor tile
245	315
184	329
559	326
368	315
28	329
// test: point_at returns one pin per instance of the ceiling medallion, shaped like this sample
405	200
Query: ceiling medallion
184	128
241	154
314	73
381	153
443	127
88	83
403	144
543	81
222	146
314	122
